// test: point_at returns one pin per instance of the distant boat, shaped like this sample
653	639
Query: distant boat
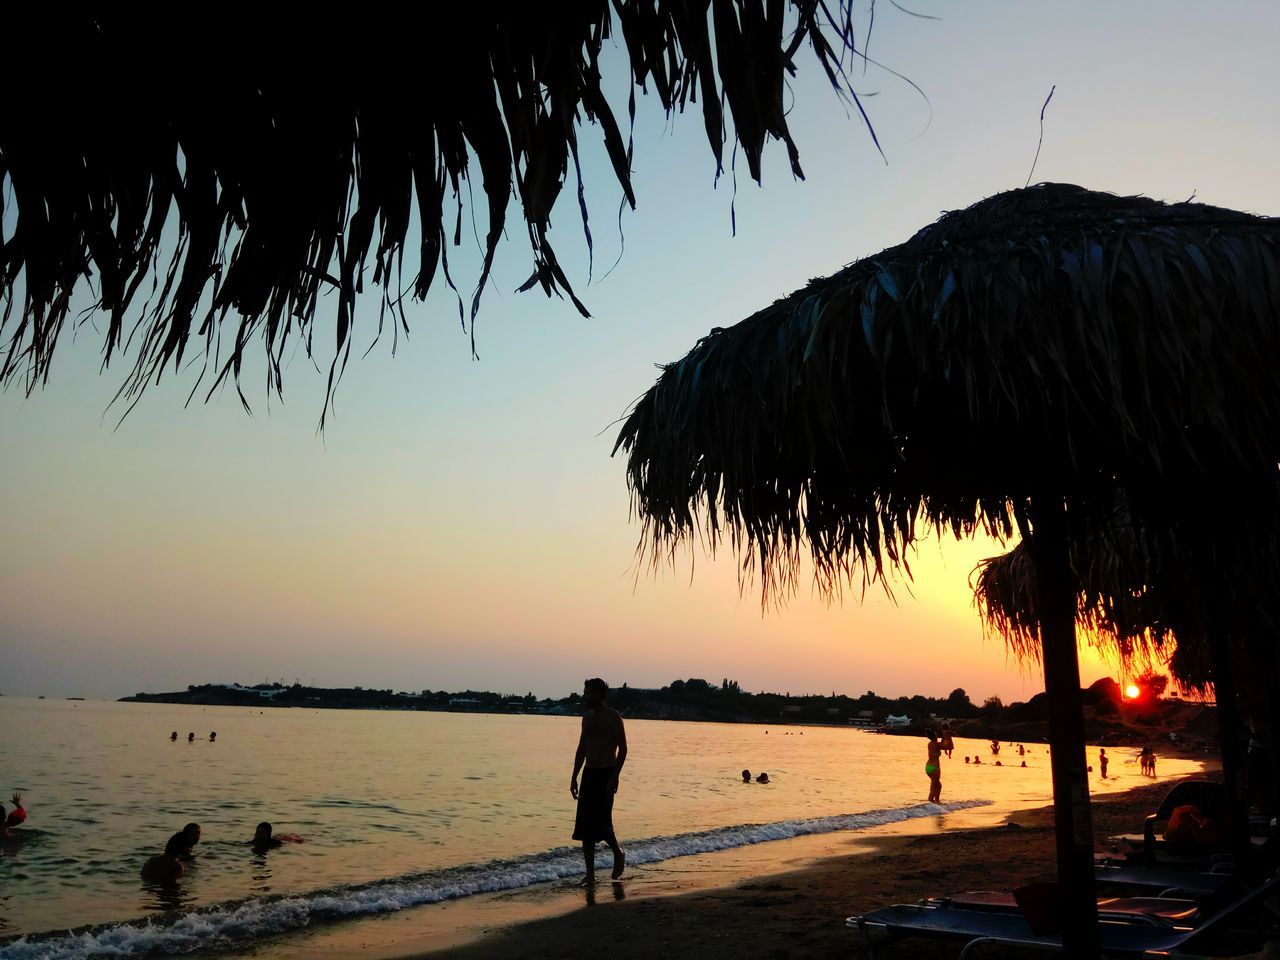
41	697
70	698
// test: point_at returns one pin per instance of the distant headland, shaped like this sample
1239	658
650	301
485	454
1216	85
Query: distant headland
1110	716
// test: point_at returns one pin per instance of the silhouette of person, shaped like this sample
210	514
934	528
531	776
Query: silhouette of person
1102	761
213	736
263	840
933	765
947	743
166	867
601	753
763	778
174	736
746	776
186	839
191	737
19	815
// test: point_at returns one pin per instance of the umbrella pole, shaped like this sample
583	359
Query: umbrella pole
1229	733
1073	823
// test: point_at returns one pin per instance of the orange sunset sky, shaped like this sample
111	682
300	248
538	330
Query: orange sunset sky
461	524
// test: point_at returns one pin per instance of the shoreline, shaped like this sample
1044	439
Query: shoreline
793	895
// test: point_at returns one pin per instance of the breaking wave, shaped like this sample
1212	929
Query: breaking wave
231	924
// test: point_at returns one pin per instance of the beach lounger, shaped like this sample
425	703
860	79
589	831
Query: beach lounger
1208	796
1165	881
1165	909
1131	937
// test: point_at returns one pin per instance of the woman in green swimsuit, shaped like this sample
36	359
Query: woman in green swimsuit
933	766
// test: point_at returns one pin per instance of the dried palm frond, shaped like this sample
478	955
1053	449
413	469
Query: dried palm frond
1048	342
230	171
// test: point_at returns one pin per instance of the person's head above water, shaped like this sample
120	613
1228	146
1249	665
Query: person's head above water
262	833
594	692
176	846
746	776
192	834
763	778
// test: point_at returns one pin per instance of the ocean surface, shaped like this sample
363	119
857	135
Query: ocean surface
398	809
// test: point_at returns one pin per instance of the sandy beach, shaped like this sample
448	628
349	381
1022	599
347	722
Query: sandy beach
785	899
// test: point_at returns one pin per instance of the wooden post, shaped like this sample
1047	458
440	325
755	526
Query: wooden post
1072	820
1224	689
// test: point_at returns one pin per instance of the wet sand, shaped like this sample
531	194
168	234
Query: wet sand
792	905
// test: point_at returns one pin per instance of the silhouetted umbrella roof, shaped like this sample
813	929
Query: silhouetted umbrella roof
1047	340
229	171
1037	351
1126	611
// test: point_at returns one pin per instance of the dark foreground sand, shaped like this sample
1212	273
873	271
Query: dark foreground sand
800	914
700	907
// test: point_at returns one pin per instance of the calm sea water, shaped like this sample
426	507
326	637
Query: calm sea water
399	809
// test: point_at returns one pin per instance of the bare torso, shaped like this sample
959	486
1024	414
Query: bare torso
601	736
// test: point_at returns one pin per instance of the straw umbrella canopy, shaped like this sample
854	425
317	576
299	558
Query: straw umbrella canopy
215	178
1141	597
1009	367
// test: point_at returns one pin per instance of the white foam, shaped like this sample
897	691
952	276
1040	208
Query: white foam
228	924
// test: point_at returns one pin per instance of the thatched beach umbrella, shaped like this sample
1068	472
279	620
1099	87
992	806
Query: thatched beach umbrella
215	177
1010	366
1143	599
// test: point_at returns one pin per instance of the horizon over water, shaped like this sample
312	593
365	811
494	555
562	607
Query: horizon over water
404	808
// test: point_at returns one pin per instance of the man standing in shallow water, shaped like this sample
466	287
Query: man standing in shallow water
602	747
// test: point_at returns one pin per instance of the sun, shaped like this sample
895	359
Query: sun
1132	691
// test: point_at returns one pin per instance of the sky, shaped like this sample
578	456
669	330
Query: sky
461	523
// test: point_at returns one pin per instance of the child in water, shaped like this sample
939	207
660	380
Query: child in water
18	816
166	867
263	839
947	743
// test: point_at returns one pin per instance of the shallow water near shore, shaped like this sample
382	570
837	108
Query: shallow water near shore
402	808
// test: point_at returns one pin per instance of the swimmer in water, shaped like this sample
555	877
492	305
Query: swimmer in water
191	737
746	776
763	778
213	736
185	841
174	736
933	765
19	815
263	840
166	867
966	758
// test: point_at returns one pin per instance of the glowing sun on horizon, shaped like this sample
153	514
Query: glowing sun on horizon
1132	691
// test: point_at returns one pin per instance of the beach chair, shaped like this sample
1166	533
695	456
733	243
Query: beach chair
1165	882
1207	795
1167	909
1132	936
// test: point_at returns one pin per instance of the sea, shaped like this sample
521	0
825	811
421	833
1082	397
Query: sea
399	809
